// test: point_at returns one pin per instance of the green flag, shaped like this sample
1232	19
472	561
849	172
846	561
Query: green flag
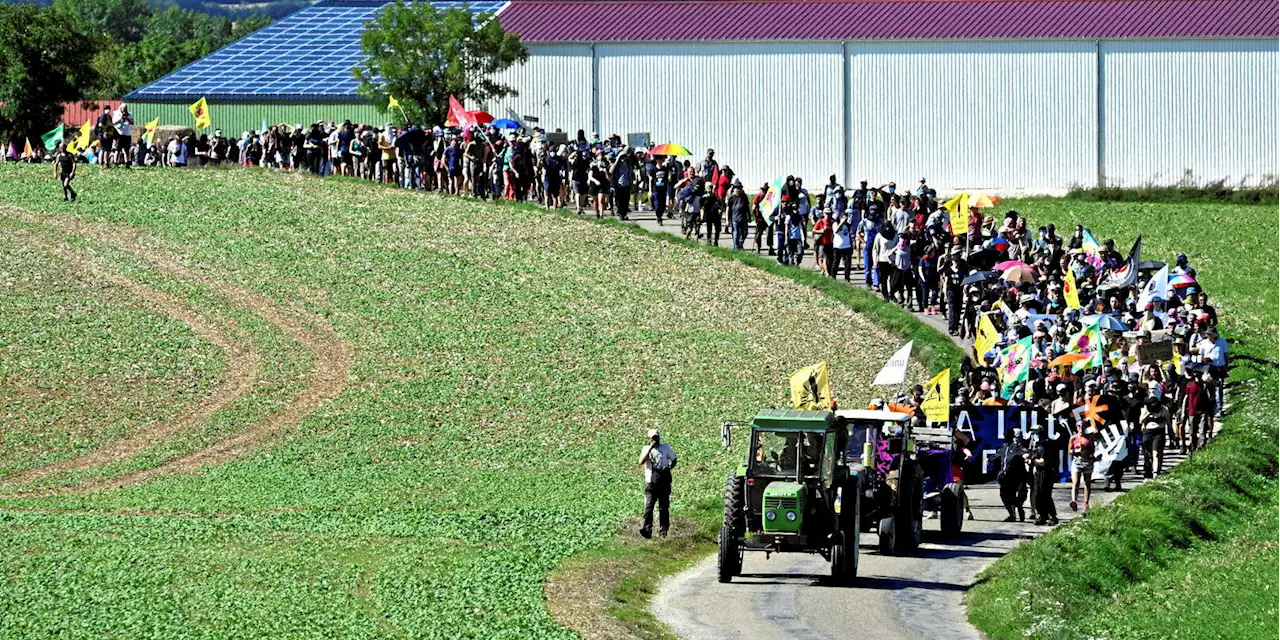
1014	365
52	138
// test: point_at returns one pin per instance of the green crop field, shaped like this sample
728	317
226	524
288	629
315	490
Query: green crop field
1194	553
326	409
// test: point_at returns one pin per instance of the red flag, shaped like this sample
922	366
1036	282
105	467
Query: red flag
459	117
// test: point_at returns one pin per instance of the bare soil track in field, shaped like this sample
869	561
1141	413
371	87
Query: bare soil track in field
331	360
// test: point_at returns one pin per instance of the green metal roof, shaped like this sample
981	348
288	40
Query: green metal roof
793	419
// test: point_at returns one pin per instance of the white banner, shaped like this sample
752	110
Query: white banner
895	370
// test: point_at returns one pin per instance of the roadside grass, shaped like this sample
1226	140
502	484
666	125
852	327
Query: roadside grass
507	365
1187	190
83	362
1152	564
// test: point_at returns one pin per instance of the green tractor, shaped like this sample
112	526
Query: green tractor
794	493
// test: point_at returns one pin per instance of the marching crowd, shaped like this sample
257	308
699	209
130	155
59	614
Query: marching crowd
1058	323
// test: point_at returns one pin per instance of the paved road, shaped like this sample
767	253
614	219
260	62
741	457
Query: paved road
914	597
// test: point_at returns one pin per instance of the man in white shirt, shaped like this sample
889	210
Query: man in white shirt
658	460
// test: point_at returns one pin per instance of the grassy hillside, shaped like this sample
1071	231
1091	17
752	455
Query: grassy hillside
1194	553
492	372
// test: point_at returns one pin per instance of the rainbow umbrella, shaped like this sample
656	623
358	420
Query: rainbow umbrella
1181	281
1000	244
669	149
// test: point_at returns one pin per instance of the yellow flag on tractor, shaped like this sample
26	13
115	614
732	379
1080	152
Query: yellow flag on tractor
200	111
811	388
82	140
937	398
1069	291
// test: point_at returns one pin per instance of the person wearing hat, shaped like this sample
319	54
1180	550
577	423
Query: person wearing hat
739	209
1012	475
658	460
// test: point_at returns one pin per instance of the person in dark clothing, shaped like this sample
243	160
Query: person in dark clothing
739	214
1044	460
1012	476
65	170
711	216
954	281
621	170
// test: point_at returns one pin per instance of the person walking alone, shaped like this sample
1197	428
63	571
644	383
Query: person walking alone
65	169
658	460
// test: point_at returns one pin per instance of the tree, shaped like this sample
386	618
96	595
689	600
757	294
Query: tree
121	21
422	56
46	59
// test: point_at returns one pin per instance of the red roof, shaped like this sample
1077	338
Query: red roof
693	20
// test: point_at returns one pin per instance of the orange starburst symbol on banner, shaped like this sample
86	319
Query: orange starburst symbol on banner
1093	410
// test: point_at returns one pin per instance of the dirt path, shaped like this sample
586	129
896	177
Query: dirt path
331	357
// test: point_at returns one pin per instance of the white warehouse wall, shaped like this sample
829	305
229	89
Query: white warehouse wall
1018	115
1207	107
768	109
1025	116
554	86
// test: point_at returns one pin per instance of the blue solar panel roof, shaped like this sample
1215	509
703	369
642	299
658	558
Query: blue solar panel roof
307	55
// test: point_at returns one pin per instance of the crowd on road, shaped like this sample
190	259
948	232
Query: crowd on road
1059	323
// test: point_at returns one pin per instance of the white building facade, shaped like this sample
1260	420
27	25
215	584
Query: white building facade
1006	116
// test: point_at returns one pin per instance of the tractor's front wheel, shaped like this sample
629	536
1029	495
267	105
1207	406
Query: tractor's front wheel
729	558
904	532
839	559
951	509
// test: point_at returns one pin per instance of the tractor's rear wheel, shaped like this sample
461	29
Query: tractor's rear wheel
952	509
735	497
729	558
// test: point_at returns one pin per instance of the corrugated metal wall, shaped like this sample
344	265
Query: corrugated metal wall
75	114
767	109
973	115
238	117
1199	106
554	86
1016	115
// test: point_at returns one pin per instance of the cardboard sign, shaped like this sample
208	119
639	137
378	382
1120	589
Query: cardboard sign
1154	352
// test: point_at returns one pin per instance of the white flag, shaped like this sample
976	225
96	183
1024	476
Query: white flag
895	370
1157	288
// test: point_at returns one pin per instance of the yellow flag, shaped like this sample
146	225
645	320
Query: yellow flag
1070	292
958	208
150	131
392	103
987	337
1177	361
937	398
200	110
81	141
810	388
